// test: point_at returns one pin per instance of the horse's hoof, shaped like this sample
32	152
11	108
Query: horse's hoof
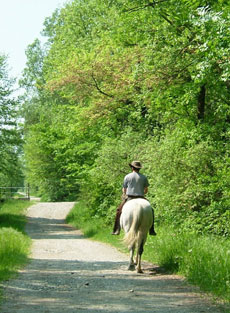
131	267
140	272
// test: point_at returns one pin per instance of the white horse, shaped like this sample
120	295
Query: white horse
136	220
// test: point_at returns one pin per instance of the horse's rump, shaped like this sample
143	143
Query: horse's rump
136	220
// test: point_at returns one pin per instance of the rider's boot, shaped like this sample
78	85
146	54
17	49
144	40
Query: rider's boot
117	227
152	230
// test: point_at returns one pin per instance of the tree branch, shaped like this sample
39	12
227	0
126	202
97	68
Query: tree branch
201	103
166	18
99	89
150	4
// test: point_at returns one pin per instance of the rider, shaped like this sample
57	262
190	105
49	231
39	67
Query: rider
135	186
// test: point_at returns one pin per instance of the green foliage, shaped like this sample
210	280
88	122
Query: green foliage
189	185
124	80
10	133
59	157
108	172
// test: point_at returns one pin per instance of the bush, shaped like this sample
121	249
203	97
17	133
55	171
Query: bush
187	181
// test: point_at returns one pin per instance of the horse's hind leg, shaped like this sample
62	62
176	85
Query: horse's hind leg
131	266
139	254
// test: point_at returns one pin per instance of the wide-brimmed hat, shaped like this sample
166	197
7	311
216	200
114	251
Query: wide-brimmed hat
136	164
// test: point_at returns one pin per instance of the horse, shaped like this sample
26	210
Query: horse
136	220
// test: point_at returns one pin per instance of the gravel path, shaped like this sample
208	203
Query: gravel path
69	274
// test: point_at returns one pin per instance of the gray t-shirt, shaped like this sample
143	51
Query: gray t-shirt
135	184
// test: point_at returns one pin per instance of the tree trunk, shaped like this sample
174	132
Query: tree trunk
201	103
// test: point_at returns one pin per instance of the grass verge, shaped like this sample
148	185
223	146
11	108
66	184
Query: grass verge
14	243
204	261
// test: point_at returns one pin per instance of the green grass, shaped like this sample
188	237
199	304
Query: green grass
14	243
204	261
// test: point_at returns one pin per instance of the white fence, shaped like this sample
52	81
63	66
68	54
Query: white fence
15	192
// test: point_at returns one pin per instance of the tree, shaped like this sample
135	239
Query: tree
10	134
115	71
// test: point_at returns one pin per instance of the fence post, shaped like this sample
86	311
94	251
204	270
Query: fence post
28	191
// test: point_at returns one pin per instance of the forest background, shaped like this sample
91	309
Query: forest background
123	80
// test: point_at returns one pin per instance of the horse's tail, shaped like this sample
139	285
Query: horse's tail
132	235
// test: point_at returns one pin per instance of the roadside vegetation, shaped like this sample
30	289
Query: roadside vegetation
203	260
14	243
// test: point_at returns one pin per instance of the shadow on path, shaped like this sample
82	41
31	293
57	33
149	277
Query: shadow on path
46	228
73	286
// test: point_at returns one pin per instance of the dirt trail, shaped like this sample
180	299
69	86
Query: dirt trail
69	274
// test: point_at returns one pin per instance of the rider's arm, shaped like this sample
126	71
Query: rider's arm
124	191
145	190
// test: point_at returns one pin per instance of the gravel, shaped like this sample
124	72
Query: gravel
68	273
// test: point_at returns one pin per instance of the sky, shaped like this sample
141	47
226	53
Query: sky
21	22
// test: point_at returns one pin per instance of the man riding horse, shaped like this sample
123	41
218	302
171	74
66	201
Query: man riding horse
135	186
